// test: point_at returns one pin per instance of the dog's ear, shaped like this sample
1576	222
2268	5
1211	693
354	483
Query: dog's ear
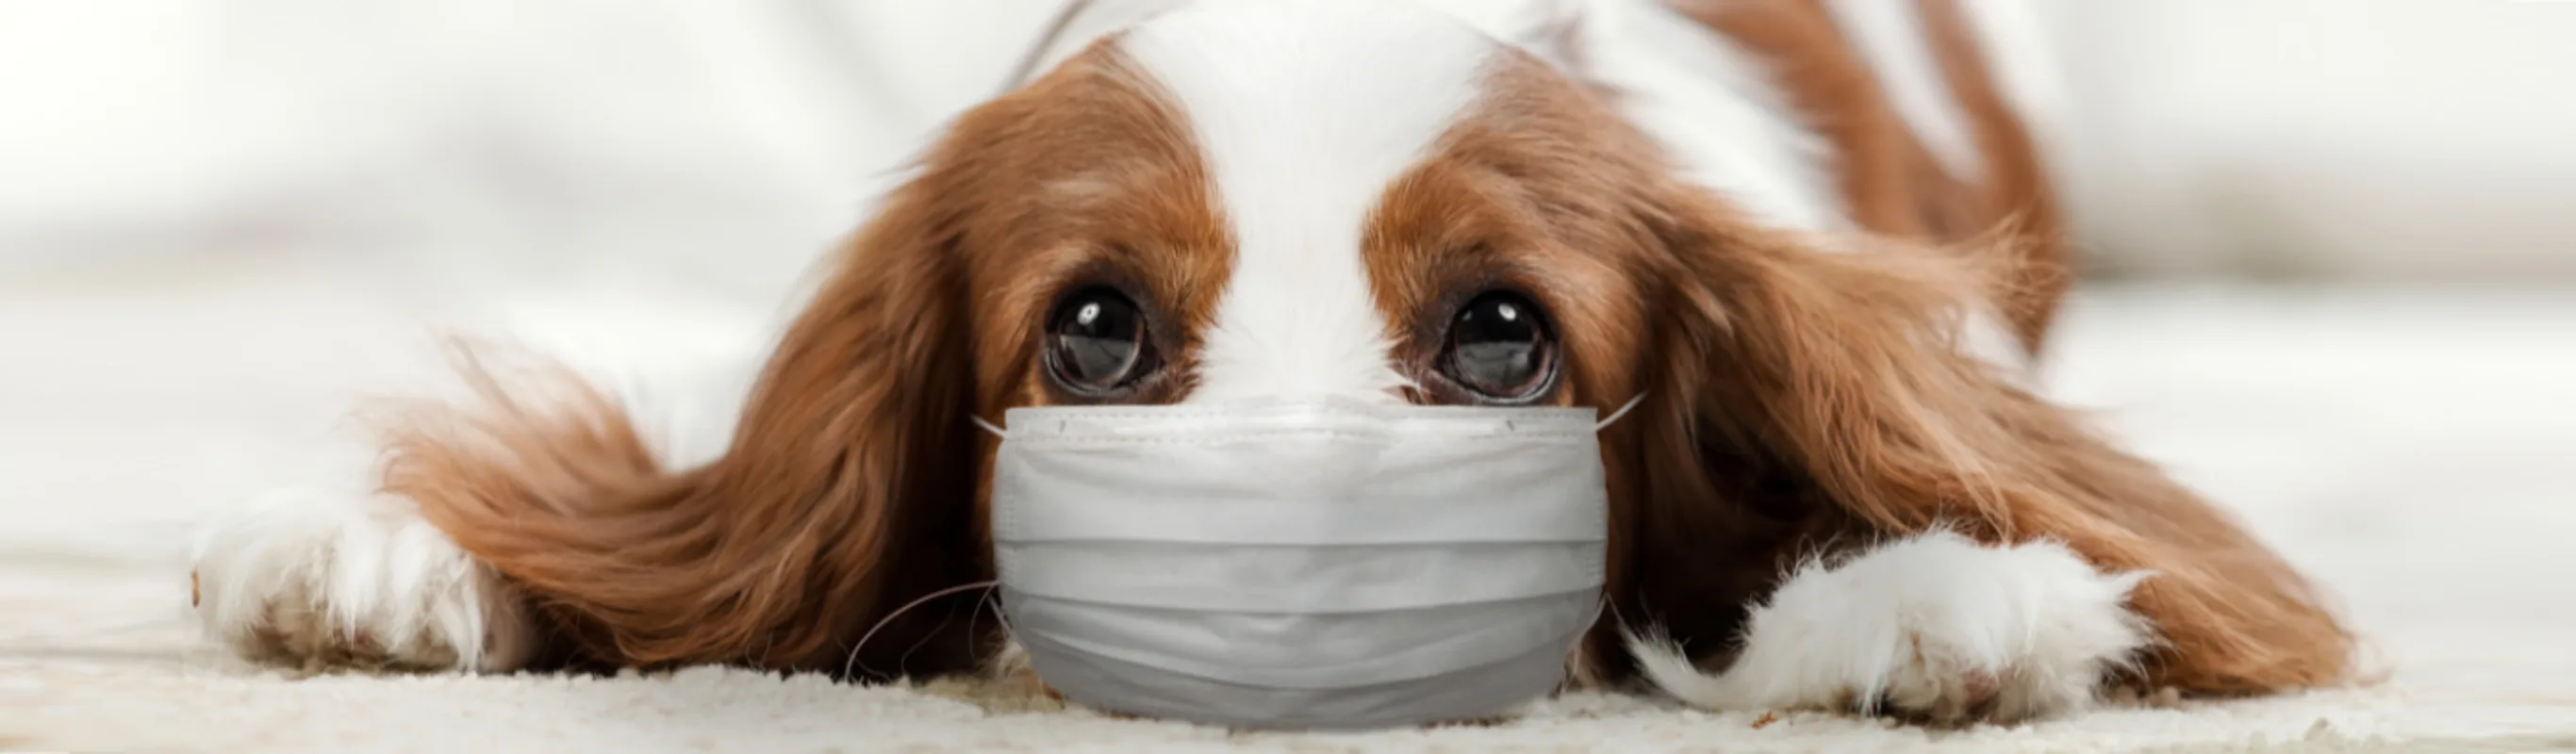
1812	394
847	490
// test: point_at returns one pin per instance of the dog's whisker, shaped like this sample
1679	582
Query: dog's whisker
852	661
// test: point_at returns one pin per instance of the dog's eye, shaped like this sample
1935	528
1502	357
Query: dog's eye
1096	341
1500	346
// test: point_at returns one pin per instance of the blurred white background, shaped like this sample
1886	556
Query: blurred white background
2381	140
222	220
728	142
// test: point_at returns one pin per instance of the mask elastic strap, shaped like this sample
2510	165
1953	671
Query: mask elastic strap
988	427
1614	415
1028	64
852	663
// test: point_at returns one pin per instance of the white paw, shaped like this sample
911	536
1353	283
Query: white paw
1936	628
318	579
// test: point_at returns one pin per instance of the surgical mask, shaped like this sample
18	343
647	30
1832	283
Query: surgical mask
1312	563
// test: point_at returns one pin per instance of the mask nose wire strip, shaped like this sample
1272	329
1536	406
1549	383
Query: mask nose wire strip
1614	415
1596	427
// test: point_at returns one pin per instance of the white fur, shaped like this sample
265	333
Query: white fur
323	576
1306	111
1933	625
1711	105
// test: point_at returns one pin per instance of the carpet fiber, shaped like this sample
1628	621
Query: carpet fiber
2410	449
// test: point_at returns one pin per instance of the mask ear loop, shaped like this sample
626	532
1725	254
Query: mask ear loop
1028	63
1614	415
852	664
988	427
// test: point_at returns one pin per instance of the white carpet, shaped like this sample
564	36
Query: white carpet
2412	450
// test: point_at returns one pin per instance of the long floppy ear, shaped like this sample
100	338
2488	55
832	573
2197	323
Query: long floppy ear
846	493
1823	394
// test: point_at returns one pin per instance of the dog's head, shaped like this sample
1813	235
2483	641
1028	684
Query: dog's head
1293	200
1220	206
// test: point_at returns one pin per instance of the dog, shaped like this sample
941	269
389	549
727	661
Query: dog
1817	236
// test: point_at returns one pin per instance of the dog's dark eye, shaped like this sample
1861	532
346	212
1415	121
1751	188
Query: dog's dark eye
1501	347
1096	341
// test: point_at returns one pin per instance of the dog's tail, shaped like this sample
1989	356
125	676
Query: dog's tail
1940	114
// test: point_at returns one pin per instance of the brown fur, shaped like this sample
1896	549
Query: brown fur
1825	384
1800	401
853	484
1796	401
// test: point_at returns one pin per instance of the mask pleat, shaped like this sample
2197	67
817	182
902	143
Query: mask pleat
1466	693
1307	651
1305	492
1298	579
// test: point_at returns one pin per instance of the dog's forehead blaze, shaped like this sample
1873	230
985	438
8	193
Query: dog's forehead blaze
1137	159
1306	113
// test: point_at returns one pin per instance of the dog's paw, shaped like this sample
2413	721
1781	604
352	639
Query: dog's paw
1935	628
1010	671
315	580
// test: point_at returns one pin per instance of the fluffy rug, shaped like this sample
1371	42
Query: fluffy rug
2411	449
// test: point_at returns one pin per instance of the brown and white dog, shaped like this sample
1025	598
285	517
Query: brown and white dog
1815	235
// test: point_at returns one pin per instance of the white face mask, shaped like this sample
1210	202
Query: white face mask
1314	563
